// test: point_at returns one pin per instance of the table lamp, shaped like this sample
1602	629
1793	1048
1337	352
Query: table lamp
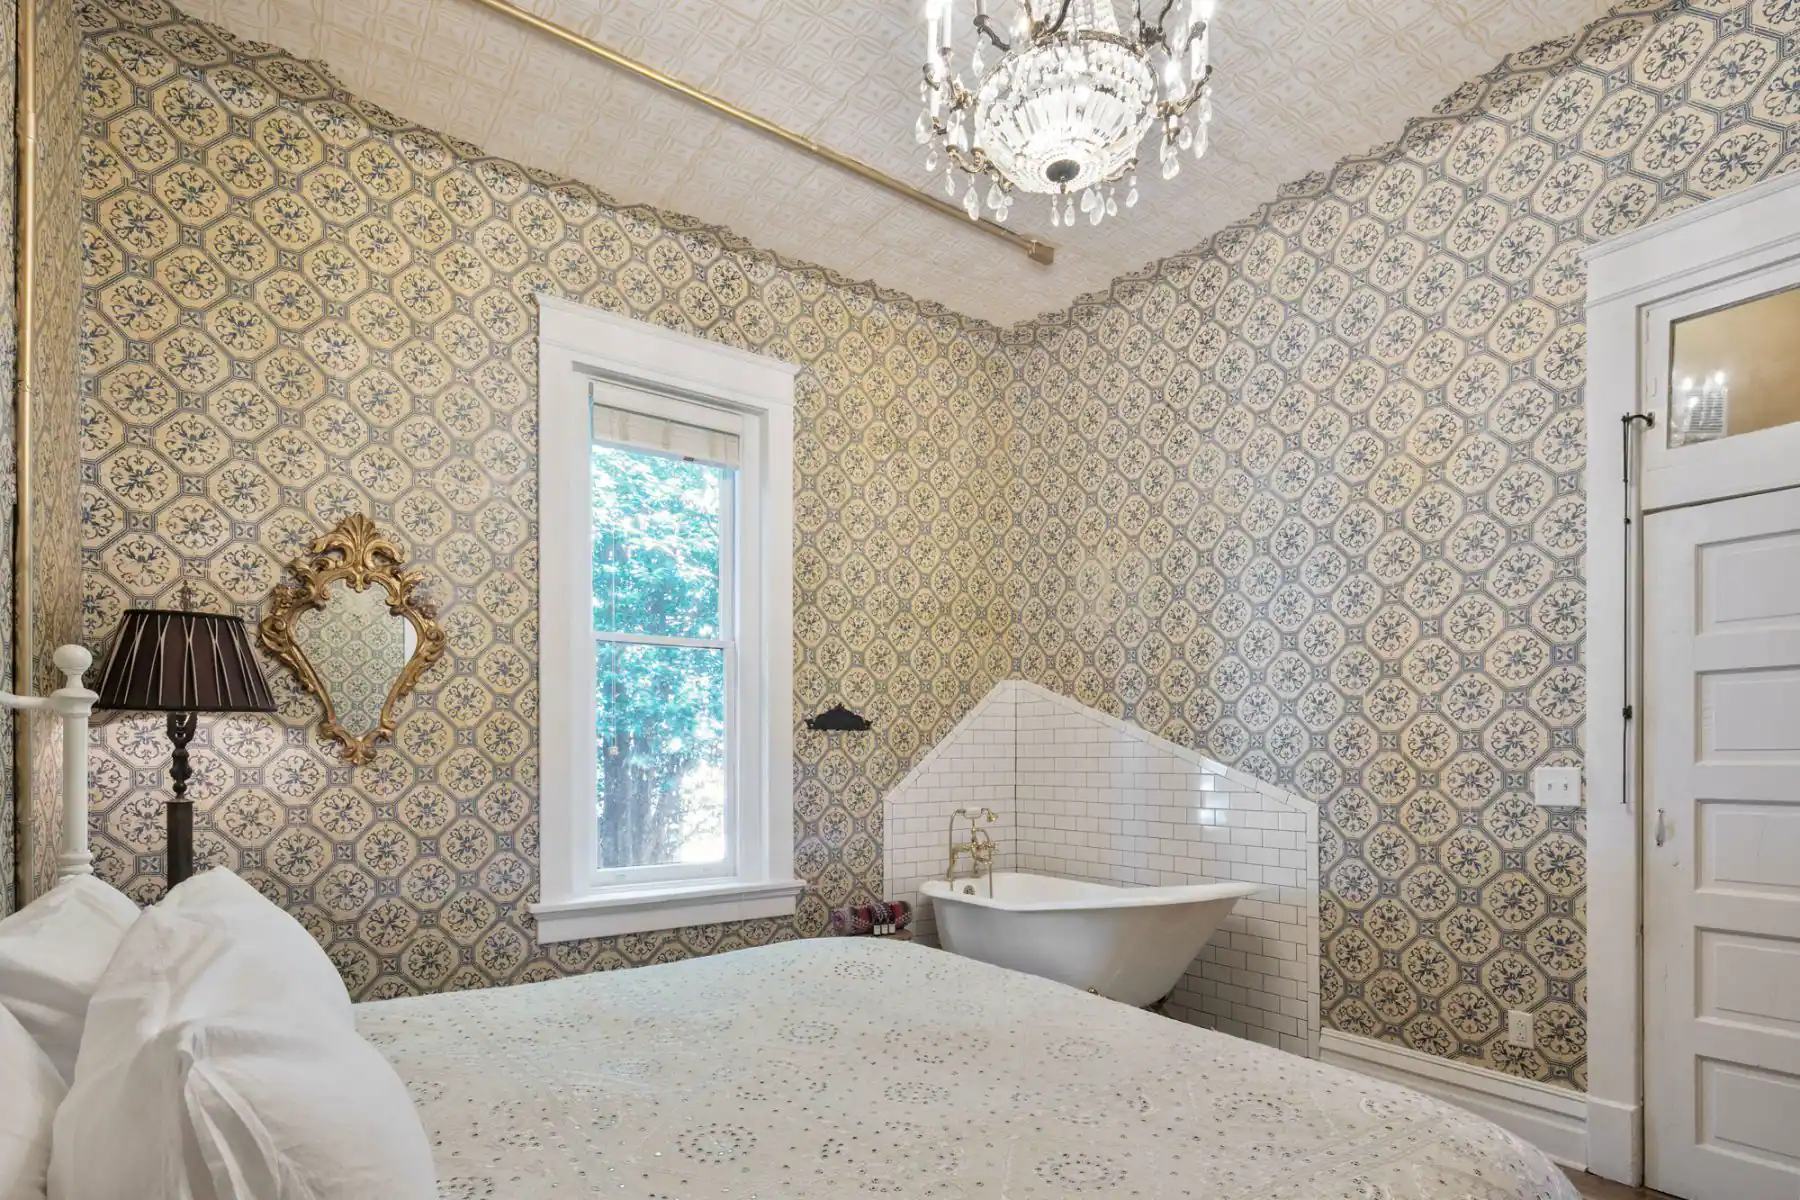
182	664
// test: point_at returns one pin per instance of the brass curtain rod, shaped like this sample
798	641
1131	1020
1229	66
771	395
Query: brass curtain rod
24	382
1035	248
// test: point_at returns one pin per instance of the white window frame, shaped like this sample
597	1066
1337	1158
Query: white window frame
584	355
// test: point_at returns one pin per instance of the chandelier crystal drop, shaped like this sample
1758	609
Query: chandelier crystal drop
1056	98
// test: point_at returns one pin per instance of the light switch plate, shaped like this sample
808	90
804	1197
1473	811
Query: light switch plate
1557	787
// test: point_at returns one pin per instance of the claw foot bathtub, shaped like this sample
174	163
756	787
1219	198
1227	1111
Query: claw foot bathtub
1130	944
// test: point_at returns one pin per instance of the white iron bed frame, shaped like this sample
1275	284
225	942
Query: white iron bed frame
72	703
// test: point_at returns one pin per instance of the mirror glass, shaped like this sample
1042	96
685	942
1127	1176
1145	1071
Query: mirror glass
358	648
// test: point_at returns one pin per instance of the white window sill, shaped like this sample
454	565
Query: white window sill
671	906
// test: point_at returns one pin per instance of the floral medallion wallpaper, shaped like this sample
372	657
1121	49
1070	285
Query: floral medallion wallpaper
299	306
54	585
56	571
9	830
1310	498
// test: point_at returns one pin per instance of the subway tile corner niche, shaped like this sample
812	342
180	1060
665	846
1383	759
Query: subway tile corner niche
1083	795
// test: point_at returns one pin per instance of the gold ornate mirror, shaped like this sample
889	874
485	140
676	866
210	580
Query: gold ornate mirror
353	632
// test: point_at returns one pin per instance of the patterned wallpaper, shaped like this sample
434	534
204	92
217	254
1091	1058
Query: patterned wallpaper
55	577
8	495
56	584
299	306
1310	498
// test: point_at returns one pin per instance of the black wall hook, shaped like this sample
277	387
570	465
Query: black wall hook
839	719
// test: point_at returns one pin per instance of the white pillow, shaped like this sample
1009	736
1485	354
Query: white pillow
220	900
32	1090
205	1075
52	954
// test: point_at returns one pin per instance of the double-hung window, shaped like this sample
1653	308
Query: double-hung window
665	631
665	669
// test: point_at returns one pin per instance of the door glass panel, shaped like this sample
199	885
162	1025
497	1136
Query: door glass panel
1735	370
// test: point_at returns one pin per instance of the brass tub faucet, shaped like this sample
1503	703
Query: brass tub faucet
979	849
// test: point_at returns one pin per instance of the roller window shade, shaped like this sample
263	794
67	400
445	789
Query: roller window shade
719	446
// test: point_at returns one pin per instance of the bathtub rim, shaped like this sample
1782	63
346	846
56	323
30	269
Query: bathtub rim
1149	896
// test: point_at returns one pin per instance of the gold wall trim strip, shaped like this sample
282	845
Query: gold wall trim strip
24	303
1037	250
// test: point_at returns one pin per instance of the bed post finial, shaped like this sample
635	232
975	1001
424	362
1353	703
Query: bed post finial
73	703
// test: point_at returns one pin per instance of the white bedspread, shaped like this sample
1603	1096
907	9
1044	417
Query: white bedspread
850	1067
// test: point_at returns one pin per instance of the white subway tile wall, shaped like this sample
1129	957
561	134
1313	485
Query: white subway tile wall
1084	795
971	767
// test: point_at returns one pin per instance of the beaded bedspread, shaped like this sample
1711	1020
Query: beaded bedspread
837	1068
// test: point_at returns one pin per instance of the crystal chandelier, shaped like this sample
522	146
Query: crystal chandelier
1058	100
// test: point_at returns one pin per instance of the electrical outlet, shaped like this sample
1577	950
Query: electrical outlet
1518	1029
1557	787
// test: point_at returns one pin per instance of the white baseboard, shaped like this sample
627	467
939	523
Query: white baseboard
1615	1142
1552	1119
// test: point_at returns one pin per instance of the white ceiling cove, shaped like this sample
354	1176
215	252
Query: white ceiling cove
1300	84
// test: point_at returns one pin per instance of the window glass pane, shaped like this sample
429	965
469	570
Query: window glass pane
661	733
1736	370
656	544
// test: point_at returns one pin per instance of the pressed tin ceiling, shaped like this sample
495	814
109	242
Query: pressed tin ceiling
1299	86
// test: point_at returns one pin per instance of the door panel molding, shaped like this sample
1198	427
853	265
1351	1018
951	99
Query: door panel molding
1722	882
1745	231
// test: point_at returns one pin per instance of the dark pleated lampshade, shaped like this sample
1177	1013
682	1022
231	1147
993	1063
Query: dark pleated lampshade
164	661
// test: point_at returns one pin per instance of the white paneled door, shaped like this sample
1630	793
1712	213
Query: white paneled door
1722	853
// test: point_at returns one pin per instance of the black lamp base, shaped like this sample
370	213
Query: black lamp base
180	817
180	810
